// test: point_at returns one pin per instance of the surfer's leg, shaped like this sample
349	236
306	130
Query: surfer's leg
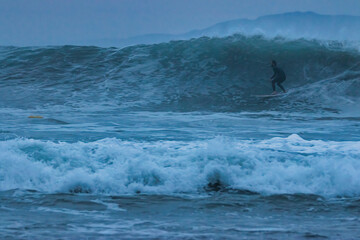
273	84
281	86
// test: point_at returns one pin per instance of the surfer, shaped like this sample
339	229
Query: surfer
278	77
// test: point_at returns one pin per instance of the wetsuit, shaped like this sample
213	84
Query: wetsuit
278	77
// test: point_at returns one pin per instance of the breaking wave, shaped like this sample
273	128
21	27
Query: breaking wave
209	74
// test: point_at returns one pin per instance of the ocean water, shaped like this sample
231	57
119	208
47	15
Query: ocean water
168	141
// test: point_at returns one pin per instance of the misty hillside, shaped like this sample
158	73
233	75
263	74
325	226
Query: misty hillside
308	25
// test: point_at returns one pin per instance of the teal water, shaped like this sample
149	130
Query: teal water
167	141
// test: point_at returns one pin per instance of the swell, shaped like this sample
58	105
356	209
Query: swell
215	74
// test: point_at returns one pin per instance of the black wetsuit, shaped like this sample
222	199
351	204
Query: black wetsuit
278	77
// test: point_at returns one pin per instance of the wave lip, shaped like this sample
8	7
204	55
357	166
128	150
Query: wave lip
110	166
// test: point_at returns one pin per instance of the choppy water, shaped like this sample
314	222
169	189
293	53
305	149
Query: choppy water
167	141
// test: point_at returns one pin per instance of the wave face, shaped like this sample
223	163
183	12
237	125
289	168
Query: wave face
211	74
208	74
111	166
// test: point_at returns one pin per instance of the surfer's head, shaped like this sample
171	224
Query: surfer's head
273	63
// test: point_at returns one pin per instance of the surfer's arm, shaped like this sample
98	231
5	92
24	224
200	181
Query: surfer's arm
274	75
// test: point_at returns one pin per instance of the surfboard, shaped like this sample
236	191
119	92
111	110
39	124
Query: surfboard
269	95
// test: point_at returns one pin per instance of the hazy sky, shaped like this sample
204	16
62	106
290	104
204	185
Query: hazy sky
39	22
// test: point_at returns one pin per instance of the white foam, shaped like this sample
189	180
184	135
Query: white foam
111	166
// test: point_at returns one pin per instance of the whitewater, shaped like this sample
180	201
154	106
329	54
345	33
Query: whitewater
168	141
